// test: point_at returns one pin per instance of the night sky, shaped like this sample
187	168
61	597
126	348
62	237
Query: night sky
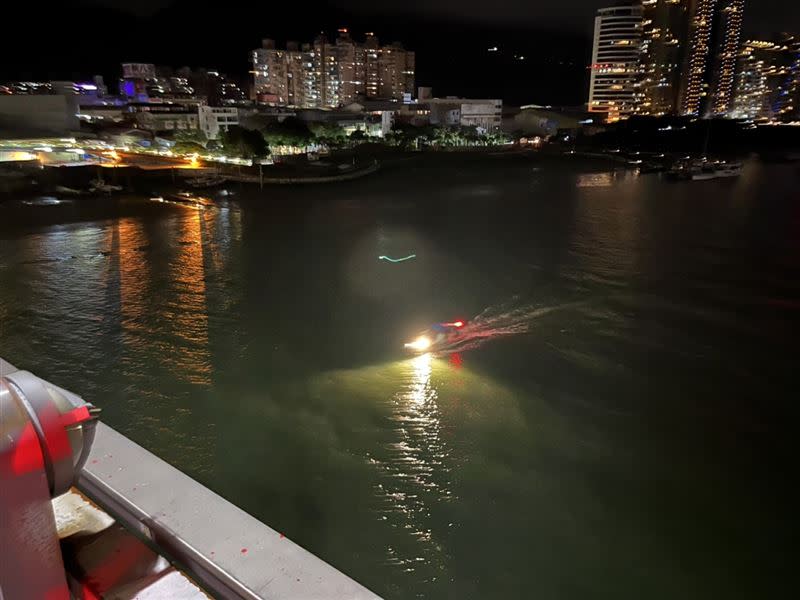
570	14
762	15
76	39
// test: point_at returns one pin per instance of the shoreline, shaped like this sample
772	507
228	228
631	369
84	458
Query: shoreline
349	175
25	182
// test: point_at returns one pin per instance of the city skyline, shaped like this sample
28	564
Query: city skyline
687	58
529	59
187	37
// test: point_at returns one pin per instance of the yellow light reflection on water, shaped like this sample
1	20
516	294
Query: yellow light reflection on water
422	378
416	468
424	409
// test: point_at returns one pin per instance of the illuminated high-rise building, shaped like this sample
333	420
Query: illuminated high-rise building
395	72
726	49
300	80
409	80
791	111
326	71
270	73
710	63
371	67
688	56
328	75
767	81
694	82
756	61
351	59
665	28
306	77
615	61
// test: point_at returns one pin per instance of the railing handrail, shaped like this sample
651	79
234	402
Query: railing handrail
226	550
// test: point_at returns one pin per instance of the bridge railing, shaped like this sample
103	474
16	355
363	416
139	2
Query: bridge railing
225	550
229	552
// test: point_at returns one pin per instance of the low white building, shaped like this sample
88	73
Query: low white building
486	115
214	119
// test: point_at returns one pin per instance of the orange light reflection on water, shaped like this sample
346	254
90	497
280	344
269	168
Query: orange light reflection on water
134	278
187	312
177	308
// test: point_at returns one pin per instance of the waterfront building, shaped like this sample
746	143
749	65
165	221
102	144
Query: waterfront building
730	15
712	47
688	56
664	31
485	115
786	106
694	85
767	79
615	61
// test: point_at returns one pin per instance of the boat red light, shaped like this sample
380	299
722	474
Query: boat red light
456	324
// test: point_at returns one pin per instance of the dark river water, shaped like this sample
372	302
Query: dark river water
622	425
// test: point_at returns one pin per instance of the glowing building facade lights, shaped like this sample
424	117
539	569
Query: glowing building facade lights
767	80
713	46
693	82
688	57
615	61
730	13
664	33
325	74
